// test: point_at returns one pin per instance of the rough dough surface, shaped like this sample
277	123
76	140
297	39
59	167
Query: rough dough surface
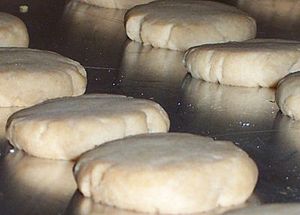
118	4
256	63
167	173
270	209
288	95
179	25
13	32
29	76
65	128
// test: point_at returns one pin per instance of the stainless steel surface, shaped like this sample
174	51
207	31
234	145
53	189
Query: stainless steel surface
95	37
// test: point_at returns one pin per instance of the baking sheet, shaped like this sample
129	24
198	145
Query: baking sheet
95	37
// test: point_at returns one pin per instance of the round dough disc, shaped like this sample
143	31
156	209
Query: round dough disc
179	25
167	173
288	95
118	4
256	63
13	32
65	128
29	76
269	209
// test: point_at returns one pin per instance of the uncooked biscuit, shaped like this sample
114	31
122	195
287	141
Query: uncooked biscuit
29	76
179	25
13	32
65	128
118	4
257	63
167	173
269	209
288	95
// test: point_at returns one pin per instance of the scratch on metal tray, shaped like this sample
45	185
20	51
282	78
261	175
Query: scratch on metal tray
245	132
99	67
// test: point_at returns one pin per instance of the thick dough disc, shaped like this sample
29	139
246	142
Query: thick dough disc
288	95
179	25
254	63
118	4
13	32
29	76
167	173
65	128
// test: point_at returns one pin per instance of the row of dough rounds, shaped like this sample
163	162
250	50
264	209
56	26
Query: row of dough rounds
213	33
158	172
154	172
149	168
64	128
179	25
212	27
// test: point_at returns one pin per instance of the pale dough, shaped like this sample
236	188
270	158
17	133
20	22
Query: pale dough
288	95
13	32
65	128
269	209
118	4
167	173
179	25
257	63
29	76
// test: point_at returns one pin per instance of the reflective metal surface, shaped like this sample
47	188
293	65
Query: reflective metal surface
96	38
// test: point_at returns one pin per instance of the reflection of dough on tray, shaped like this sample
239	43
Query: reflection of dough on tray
118	4
92	18
80	205
226	107
288	95
35	175
91	29
152	66
65	128
13	32
269	209
30	76
167	173
283	14
288	134
260	63
179	25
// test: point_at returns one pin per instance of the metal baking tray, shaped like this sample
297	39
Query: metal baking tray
96	38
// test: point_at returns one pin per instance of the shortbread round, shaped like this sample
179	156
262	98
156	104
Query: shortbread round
13	31
167	173
29	76
269	209
288	95
179	25
257	63
117	4
65	128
